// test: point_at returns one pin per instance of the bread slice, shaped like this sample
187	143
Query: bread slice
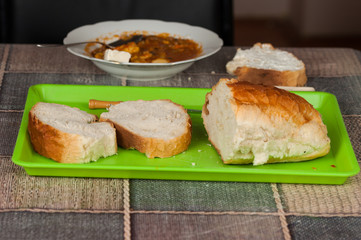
69	135
158	128
263	64
258	124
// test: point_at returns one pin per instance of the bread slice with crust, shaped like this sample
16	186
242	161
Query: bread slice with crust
69	135
158	128
264	64
258	124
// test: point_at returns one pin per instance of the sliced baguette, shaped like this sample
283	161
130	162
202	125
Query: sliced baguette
158	128
264	64
69	135
259	124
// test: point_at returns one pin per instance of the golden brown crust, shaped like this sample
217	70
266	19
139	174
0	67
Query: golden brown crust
274	101
271	77
281	106
55	144
52	143
153	147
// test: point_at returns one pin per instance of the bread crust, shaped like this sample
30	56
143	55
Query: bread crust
273	101
153	147
272	105
271	77
54	144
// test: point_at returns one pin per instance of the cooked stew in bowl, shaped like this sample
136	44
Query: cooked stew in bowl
160	48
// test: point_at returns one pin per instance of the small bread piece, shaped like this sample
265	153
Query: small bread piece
158	128
258	124
263	64
69	135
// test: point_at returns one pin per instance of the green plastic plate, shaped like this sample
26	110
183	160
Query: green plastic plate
200	161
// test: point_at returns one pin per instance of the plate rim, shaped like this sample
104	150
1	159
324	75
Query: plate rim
216	48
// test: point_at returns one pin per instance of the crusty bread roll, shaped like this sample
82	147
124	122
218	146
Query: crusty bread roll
158	128
258	124
263	64
69	135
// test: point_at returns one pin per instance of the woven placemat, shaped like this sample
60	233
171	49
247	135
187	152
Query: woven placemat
339	200
323	62
21	191
319	62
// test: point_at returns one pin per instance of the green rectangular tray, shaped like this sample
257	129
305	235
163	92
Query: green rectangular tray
200	161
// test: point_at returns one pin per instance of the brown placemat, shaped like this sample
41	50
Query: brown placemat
21	191
320	62
324	62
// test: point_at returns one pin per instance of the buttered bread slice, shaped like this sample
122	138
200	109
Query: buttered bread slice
264	64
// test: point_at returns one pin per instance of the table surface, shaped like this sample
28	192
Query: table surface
92	208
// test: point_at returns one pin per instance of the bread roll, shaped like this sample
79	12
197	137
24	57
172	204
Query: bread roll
69	135
158	128
258	124
263	64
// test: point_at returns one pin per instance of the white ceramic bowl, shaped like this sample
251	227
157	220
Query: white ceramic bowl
209	41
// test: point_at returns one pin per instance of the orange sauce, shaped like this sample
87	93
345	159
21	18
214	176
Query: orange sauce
160	48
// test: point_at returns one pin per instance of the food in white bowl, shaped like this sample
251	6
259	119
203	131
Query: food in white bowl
208	41
160	48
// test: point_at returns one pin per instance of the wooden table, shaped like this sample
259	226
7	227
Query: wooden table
91	208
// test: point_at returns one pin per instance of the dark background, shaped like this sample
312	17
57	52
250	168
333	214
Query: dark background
298	23
284	23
